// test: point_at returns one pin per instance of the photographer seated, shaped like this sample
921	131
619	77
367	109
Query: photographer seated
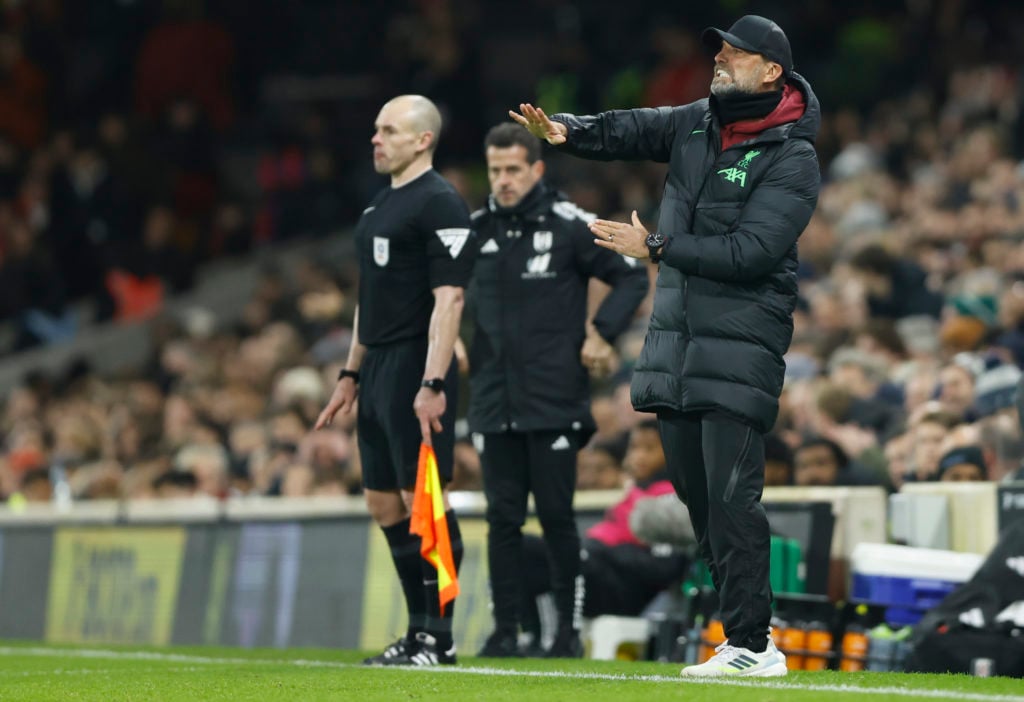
640	547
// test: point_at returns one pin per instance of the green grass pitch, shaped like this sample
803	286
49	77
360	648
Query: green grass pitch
30	671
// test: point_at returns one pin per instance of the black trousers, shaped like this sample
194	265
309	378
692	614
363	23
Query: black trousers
716	464
514	465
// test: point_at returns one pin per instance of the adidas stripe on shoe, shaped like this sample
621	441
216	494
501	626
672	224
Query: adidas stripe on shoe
423	651
429	653
733	661
399	650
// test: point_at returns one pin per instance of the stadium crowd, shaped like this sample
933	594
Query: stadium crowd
118	177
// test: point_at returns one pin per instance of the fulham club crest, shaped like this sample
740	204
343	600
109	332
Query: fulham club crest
542	242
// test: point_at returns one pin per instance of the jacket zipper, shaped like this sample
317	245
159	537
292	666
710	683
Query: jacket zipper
687	332
503	264
714	139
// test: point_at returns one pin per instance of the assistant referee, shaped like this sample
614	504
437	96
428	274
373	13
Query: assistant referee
415	260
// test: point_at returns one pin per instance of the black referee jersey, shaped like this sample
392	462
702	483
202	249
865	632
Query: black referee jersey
410	240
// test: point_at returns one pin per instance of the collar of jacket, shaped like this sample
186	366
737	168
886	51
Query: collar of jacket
534	204
742	106
805	127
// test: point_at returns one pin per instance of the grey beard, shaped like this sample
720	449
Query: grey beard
732	88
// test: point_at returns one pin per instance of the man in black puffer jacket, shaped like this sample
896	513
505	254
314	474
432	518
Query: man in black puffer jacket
743	181
529	407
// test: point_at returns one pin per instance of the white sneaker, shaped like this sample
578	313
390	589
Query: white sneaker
740	662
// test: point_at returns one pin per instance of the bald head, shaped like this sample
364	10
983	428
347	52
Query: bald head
405	137
420	114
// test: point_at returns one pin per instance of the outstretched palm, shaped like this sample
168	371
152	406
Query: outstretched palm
534	119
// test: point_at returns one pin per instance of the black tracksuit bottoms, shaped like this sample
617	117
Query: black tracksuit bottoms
716	463
516	464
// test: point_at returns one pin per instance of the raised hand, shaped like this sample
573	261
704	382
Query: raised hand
538	124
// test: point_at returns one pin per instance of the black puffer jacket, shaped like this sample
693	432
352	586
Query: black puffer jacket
528	298
727	288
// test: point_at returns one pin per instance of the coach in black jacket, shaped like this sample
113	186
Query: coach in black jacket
743	181
530	398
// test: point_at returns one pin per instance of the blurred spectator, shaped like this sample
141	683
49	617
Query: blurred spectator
599	467
175	484
895	287
897	457
189	56
956	389
996	390
962	464
1011	320
926	435
36	486
1002	444
606	417
820	461
100	480
863	376
208	464
778	462
298	481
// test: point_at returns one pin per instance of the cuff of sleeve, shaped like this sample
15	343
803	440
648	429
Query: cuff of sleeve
563	118
602	331
681	255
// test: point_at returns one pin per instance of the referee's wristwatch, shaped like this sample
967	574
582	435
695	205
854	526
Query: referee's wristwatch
346	373
435	384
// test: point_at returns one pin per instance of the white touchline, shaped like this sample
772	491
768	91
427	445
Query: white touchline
761	683
92	671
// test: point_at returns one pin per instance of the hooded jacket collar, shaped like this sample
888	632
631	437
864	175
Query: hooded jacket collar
797	116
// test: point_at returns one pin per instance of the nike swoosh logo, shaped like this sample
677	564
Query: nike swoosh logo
698	131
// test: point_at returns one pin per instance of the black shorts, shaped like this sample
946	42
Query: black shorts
389	433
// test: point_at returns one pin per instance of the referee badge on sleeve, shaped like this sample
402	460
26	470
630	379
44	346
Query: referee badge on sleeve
381	250
453	239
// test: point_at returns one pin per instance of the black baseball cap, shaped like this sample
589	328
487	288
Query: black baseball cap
971	455
756	34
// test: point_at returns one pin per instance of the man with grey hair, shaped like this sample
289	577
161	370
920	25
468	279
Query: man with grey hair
415	260
742	184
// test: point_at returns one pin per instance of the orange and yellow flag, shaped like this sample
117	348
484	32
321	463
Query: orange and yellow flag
429	522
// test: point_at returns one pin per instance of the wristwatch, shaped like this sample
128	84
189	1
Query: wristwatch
655	242
435	384
346	373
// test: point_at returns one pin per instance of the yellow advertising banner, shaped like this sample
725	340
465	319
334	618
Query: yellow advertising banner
114	585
